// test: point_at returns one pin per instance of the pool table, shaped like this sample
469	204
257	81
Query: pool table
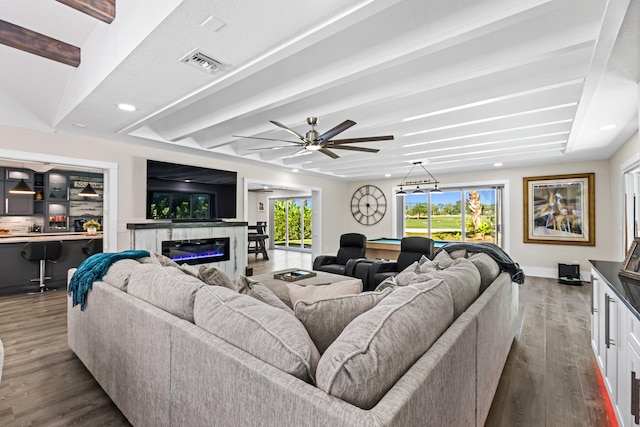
386	248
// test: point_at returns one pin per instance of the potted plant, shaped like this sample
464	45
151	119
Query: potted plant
91	226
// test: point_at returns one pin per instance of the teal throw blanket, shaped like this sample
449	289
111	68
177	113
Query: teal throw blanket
93	269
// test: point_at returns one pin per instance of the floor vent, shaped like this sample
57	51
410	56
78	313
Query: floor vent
201	61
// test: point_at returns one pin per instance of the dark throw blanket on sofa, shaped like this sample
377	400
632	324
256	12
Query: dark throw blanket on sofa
94	268
500	256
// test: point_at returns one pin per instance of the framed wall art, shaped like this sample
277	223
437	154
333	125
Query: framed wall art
560	209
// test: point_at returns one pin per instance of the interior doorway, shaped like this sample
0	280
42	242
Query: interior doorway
291	212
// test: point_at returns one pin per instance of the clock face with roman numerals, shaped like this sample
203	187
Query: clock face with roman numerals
368	205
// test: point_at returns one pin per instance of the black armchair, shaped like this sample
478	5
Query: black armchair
352	246
411	250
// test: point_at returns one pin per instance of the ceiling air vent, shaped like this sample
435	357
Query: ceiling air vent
201	61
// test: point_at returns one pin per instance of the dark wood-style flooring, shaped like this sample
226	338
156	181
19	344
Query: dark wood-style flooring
550	378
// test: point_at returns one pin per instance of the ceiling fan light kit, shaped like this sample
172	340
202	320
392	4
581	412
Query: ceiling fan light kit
323	143
418	190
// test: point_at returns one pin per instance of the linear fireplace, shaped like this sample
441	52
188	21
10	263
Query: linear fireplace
197	251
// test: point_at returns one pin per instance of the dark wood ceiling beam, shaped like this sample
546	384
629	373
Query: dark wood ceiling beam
38	44
104	10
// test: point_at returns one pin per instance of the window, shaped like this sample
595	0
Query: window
179	206
470	214
292	224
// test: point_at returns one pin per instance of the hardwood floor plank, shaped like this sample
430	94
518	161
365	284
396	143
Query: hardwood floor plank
549	379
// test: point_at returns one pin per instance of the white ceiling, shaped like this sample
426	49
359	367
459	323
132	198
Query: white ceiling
460	84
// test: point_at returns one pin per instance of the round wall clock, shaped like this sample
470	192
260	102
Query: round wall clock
368	205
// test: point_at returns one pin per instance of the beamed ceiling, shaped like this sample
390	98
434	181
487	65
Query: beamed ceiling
460	85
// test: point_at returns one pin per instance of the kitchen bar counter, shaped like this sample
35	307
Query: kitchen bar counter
17	272
43	237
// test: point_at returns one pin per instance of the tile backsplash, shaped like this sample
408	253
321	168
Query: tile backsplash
21	224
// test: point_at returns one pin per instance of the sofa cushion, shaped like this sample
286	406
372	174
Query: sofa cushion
119	273
259	291
407	275
214	276
488	268
325	319
266	332
313	293
167	288
463	280
189	269
378	347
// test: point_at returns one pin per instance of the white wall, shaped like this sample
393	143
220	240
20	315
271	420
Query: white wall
535	259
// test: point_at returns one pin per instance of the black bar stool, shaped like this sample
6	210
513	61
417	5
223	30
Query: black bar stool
256	240
92	246
42	252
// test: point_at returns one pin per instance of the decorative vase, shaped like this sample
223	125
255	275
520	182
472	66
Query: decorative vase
91	230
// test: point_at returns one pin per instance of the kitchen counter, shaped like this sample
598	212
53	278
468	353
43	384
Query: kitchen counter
628	290
39	237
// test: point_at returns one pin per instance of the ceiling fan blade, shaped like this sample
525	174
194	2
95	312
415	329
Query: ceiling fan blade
336	130
348	147
328	153
364	139
291	131
268	139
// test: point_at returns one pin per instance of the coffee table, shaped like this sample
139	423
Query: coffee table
281	289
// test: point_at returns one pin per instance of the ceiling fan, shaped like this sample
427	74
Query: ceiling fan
323	143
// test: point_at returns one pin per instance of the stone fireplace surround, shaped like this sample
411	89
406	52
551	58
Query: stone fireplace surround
150	235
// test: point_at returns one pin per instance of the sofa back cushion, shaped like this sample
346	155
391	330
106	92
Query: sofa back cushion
463	280
379	346
167	288
488	268
119	273
268	333
325	319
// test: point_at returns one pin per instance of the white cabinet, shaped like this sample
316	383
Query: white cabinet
615	338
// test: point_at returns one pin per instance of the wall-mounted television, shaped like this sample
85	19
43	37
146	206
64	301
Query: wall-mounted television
182	192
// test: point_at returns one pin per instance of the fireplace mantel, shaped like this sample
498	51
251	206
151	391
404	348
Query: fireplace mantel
150	235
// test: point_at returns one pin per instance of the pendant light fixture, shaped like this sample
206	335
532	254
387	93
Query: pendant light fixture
431	180
88	190
22	187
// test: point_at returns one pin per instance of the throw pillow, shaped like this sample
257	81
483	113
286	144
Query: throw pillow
167	288
265	332
214	276
388	283
313	293
378	347
257	290
407	275
488	268
189	269
325	319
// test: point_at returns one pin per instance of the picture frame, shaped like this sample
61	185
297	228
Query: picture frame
560	209
260	206
631	265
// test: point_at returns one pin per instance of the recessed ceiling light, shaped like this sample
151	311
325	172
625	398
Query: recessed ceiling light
607	127
387	175
497	164
80	125
126	107
294	170
264	187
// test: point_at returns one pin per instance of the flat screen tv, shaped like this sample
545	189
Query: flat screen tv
182	192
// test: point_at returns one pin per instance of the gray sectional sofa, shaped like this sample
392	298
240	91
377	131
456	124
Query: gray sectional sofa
171	350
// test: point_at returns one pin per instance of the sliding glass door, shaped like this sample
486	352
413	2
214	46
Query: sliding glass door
292	224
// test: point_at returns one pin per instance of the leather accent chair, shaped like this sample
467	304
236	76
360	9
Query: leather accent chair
411	250
352	246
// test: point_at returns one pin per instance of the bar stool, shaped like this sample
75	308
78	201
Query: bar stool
42	252
91	247
256	240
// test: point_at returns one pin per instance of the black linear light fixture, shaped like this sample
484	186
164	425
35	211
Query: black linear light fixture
418	190
22	187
